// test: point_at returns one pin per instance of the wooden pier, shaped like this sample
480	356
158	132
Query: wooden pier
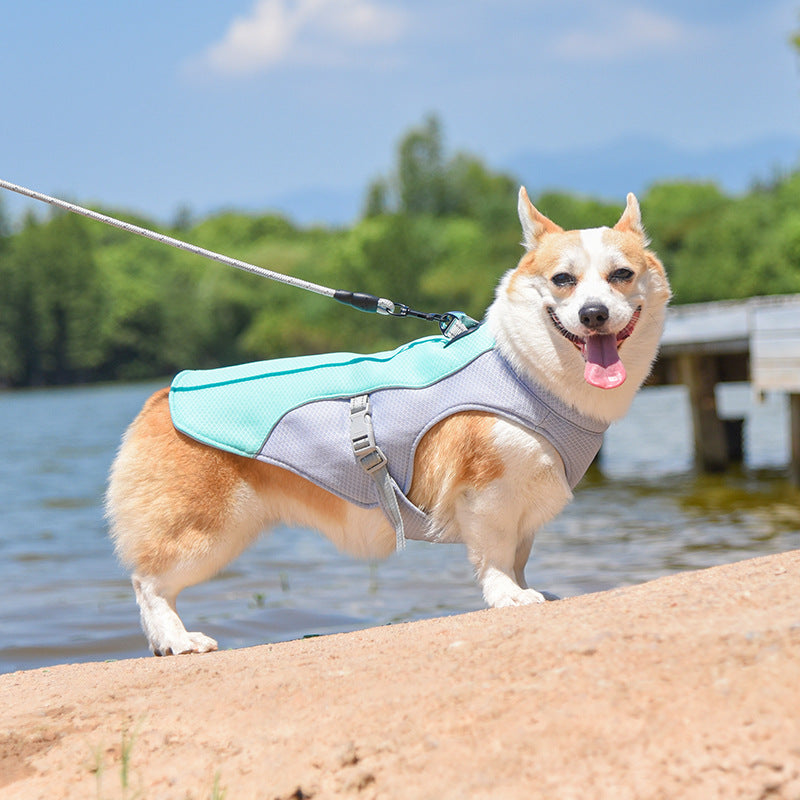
755	340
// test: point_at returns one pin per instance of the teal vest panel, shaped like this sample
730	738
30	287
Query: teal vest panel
236	408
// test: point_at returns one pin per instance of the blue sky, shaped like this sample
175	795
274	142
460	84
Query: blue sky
259	103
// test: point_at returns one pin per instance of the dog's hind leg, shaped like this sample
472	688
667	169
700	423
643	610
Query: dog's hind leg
188	556
161	624
158	583
179	512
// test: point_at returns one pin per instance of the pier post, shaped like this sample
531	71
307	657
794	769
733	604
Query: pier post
794	434
699	374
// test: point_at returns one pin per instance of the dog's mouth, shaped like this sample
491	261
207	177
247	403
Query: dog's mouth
600	351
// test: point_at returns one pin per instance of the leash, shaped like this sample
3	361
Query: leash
451	324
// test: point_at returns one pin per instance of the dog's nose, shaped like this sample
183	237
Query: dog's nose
593	315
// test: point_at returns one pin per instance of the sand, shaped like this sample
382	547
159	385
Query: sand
684	687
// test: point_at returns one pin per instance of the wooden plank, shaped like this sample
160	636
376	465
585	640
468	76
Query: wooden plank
776	379
776	316
711	348
775	359
794	433
775	349
777	337
699	374
706	322
775	344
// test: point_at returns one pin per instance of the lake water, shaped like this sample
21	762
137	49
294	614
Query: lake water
644	513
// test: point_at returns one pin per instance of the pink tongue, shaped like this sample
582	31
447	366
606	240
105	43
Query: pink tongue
603	366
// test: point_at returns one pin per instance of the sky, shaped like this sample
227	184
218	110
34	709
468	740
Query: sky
298	104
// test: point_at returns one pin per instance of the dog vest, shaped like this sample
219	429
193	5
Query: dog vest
306	414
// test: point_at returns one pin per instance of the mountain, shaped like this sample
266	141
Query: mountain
632	164
327	206
608	171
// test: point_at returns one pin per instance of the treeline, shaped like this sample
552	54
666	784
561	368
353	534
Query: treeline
80	301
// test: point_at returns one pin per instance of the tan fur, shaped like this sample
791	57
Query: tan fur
186	492
545	259
180	510
457	452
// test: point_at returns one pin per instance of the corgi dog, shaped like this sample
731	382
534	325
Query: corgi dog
580	316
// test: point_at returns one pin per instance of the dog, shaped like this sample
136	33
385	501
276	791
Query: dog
580	317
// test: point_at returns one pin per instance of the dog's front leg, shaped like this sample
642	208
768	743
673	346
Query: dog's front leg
498	549
502	584
498	523
521	559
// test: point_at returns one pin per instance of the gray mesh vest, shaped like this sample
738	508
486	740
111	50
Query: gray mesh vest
235	409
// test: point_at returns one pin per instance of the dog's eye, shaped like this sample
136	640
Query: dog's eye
563	279
621	275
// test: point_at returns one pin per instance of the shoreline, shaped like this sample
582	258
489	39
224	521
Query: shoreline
686	686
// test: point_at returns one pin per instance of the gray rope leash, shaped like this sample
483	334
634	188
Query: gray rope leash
363	302
451	324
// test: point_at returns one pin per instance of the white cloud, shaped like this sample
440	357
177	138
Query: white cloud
627	33
301	31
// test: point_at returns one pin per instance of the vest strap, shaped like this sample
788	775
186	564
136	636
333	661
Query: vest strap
374	463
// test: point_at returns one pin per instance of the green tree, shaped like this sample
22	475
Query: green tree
424	181
420	170
573	212
474	191
5	226
672	210
52	303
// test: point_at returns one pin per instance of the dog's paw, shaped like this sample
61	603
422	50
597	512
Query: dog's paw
201	643
194	642
520	597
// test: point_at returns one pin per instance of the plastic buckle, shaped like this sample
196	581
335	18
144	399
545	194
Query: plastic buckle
362	436
372	460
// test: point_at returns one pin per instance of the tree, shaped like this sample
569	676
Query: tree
5	227
51	305
425	182
420	170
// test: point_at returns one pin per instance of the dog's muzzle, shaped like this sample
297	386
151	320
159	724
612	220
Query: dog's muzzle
603	366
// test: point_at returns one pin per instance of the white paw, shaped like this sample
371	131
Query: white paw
194	642
501	591
514	596
522	597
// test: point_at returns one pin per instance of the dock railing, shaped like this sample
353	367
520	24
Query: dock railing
755	340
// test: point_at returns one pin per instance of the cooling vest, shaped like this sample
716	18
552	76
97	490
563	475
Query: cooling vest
295	412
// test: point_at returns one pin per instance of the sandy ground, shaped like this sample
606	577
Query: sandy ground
685	687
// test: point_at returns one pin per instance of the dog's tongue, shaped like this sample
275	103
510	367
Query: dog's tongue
603	366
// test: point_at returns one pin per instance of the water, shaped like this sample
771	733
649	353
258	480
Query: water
644	514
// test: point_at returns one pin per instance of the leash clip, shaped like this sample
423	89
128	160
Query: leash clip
451	324
454	323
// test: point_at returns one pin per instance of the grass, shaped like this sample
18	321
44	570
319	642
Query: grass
218	792
127	791
99	766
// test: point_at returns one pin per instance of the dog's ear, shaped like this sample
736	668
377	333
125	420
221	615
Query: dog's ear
534	223
631	219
